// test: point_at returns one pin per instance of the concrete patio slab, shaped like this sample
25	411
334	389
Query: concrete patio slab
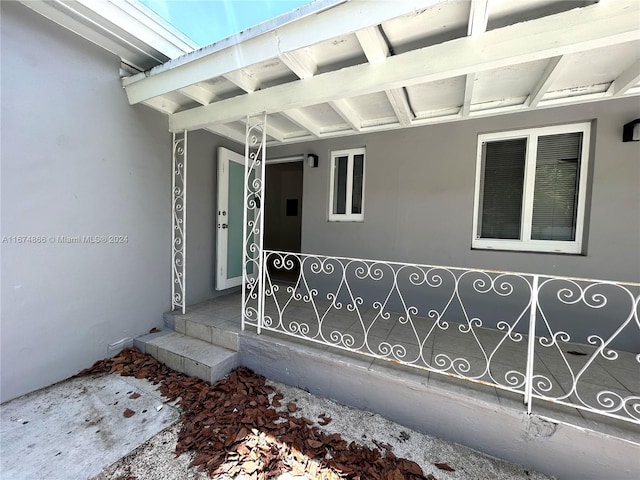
76	428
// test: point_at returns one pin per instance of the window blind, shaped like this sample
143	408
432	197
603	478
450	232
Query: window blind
503	184
555	197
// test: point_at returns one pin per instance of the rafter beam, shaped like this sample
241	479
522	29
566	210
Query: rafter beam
344	108
240	52
478	17
373	44
400	105
300	63
163	104
275	133
303	121
568	32
243	80
468	94
198	93
626	80
550	73
227	132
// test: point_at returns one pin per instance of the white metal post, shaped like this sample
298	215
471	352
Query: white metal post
528	388
179	221
253	220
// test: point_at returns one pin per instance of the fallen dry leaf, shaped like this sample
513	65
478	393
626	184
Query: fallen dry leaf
155	330
134	395
324	419
445	466
129	413
233	428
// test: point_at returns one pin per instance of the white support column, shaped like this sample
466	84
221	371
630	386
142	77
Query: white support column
253	221
179	222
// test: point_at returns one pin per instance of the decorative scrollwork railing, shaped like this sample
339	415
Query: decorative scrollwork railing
179	221
253	221
528	334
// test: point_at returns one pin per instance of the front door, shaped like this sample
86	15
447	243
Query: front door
229	239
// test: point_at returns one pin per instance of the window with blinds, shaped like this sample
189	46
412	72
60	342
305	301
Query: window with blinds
530	189
346	190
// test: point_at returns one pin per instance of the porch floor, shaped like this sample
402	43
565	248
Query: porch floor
621	376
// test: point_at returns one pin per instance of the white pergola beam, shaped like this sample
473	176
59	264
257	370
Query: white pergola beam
300	63
478	17
275	133
163	104
572	31
199	94
349	114
373	44
227	132
550	73
230	55
468	94
400	105
626	80
243	80
303	121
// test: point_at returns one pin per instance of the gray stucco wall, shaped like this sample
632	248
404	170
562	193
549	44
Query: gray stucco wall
420	190
76	160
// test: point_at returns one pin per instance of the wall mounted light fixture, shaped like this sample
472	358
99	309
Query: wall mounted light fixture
312	160
631	131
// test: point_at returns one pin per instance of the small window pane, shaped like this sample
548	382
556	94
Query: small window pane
358	176
340	186
555	200
501	209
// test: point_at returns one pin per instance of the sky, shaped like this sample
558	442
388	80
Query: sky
207	21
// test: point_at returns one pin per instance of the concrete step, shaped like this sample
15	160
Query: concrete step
204	328
190	355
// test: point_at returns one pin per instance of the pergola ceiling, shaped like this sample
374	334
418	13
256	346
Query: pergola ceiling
349	67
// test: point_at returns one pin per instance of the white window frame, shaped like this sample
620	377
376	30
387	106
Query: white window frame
526	243
350	154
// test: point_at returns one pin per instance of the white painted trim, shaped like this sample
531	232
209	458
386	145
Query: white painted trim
526	243
573	31
350	154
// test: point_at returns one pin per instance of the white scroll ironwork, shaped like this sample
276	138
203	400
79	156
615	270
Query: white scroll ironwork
253	221
179	221
527	334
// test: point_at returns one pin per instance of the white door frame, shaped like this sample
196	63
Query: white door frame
224	157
